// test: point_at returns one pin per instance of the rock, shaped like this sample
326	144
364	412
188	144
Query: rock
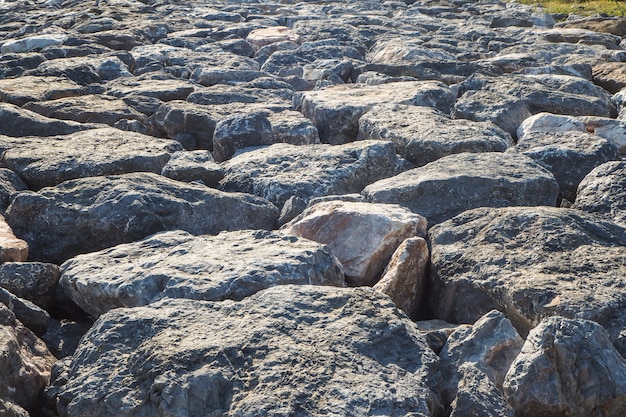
611	129
62	337
12	249
567	367
231	265
292	207
25	366
45	162
281	171
546	122
240	131
437	332
25	89
424	134
444	188
164	90
530	263
286	357
193	166
31	43
30	315
291	127
363	236
9	409
490	345
603	191
33	281
10	183
259	38
477	396
610	75
404	277
604	24
569	156
94	213
336	110
17	122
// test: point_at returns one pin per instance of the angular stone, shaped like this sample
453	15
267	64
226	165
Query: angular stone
231	265
24	89
530	263
477	396
603	191
240	131
610	75
259	38
12	249
10	184
45	162
31	43
610	129
33	281
547	122
94	213
16	122
569	156
294	349
164	90
193	166
404	277
567	367
424	134
336	110
363	236
281	171
10	409
455	183
615	25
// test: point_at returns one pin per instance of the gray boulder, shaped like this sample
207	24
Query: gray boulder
231	265
193	166
455	183
44	162
424	134
94	213
17	122
10	183
241	131
34	281
530	263
478	396
25	89
281	171
567	367
603	191
285	351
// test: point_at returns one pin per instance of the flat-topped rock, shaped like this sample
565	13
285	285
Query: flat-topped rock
297	343
603	191
231	265
193	166
455	183
17	122
90	214
44	162
24	89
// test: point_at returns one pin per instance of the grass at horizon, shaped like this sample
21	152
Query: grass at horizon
583	8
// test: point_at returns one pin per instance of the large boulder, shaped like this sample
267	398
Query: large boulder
17	122
284	351
567	367
530	263
478	396
231	265
455	183
10	183
94	213
34	281
363	236
44	162
27	88
424	134
12	249
281	171
603	191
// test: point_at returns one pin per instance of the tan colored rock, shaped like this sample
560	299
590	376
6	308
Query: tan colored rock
403	279
22	90
12	249
610	75
259	38
363	236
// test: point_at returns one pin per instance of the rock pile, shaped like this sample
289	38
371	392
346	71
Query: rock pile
311	208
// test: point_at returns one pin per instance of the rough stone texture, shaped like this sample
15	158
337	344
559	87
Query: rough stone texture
477	396
240	131
33	281
281	171
33	317
567	367
603	191
569	156
231	265
193	166
610	75
12	249
530	262
455	183
10	183
437	332
336	110
404	277
259	38
10	409
610	129
22	90
17	122
293	352
25	364
363	236
94	213
45	162
490	345
424	134
30	43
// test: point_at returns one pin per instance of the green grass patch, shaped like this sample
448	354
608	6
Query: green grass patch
583	8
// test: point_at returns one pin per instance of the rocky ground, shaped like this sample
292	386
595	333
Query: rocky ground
315	208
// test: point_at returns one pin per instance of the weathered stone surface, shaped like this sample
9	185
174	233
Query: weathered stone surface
363	236
478	396
490	345
603	191
193	166
569	156
24	89
94	213
281	171
610	75
259	38
30	315
30	43
424	134
33	281
610	129
567	367
164	90
17	122
455	183
240	131
10	409
614	24
437	332
293	352
45	162
404	277
25	365
231	265
12	249
336	110
10	183
531	263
